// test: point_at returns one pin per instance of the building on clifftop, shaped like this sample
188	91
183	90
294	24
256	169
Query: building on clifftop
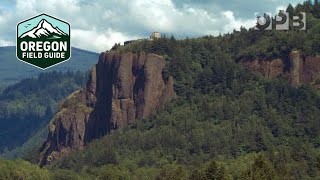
154	35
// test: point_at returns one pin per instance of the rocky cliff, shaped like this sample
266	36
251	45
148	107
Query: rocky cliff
121	89
297	69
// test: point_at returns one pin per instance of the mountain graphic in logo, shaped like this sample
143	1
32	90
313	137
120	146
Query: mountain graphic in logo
43	41
44	30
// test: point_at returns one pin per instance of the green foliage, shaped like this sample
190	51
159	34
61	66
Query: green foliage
27	107
261	169
62	174
172	172
213	171
110	172
228	123
22	170
232	115
251	127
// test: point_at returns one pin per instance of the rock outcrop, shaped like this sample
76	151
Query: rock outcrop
270	69
297	69
121	89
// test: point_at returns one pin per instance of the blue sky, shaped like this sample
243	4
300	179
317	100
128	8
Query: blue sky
8	4
30	24
97	24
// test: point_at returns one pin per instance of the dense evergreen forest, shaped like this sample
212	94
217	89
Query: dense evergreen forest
27	107
228	123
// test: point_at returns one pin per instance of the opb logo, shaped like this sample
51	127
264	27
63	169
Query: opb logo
282	21
43	41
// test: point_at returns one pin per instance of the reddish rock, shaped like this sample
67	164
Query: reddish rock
267	68
296	69
311	70
120	90
300	71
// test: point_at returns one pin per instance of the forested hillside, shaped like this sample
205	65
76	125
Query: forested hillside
28	106
228	123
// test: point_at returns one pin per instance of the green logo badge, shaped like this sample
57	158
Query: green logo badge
43	41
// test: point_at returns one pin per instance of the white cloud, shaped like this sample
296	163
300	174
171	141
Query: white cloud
154	14
96	41
6	43
233	23
25	8
98	24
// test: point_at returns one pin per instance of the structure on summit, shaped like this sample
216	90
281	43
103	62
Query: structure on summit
154	35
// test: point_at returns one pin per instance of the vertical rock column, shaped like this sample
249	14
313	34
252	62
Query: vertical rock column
121	89
296	67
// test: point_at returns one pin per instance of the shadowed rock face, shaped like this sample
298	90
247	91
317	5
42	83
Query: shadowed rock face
298	70
121	89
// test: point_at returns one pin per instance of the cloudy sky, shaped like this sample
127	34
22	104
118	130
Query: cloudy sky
97	24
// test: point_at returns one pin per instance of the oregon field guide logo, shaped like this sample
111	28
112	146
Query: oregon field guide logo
43	41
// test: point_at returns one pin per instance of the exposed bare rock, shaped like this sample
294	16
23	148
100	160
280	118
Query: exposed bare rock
298	70
311	71
270	69
121	89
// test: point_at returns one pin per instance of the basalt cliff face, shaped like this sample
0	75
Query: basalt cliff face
297	69
121	89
